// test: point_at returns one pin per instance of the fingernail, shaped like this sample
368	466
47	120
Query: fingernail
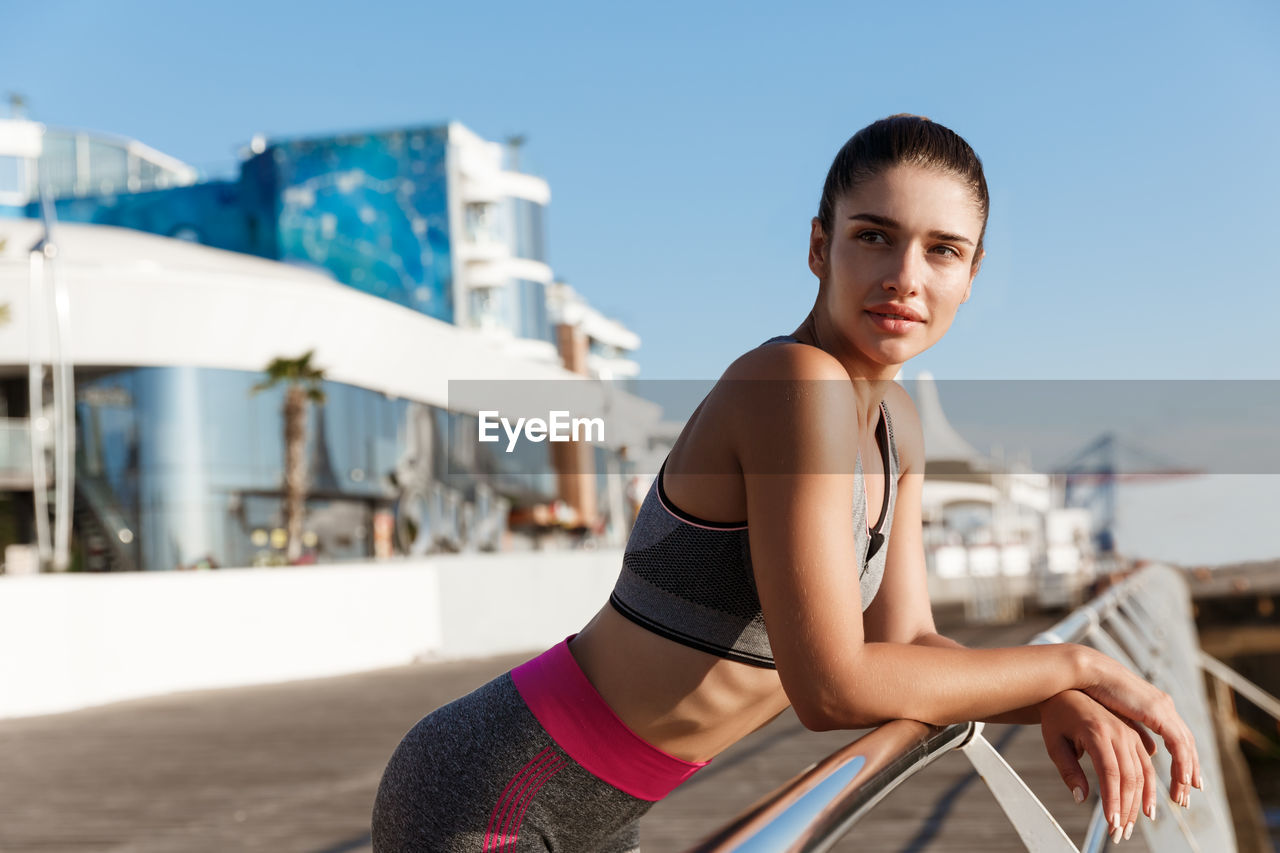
1199	781
1115	821
1078	793
1128	831
1117	835
1151	812
1186	778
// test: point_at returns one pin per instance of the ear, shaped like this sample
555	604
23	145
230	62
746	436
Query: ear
818	246
973	273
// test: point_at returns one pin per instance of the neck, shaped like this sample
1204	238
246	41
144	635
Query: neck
870	379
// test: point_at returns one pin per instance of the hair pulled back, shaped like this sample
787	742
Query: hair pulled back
902	140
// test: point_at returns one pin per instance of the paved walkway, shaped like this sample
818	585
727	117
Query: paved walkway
294	767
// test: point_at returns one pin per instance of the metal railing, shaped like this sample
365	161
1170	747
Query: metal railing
1145	622
52	423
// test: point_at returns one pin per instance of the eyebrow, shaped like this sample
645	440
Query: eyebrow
893	223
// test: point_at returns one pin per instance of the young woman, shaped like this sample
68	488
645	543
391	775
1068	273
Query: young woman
765	570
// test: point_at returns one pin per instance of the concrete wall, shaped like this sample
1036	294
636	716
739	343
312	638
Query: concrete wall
71	641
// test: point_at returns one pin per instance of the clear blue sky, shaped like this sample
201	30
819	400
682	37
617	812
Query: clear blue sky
1132	149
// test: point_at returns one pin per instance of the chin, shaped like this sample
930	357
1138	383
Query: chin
896	356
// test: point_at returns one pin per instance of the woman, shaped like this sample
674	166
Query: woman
738	595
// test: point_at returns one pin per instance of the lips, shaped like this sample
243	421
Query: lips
896	312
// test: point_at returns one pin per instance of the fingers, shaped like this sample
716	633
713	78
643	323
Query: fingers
1127	782
1161	716
1150	783
1066	757
1130	786
1177	737
1106	766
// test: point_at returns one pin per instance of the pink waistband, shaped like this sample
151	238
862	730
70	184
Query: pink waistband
582	723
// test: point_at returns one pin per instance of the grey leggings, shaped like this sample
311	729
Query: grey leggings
481	774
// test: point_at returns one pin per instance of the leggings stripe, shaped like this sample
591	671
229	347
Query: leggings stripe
496	835
499	808
550	770
505	834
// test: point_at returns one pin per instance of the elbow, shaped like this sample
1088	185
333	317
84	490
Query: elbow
836	698
836	712
815	719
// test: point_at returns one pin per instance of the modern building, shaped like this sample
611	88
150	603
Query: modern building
148	302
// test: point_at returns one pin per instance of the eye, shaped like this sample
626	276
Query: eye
950	251
871	237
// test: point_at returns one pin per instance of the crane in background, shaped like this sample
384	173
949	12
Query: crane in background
1093	475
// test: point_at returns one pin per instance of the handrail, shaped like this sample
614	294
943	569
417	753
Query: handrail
1144	622
815	808
116	529
1241	685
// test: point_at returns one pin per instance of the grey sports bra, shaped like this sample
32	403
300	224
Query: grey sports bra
691	580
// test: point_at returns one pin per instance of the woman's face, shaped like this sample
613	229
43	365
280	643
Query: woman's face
898	263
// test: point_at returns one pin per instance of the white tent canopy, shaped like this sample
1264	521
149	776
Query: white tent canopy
941	442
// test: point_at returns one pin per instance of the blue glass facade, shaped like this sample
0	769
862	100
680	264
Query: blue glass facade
372	209
215	214
369	209
191	464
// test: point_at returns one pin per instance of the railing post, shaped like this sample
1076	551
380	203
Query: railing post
1031	820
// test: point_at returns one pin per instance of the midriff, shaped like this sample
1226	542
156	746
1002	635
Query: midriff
689	703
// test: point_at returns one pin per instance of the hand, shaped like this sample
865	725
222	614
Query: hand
1073	724
1129	697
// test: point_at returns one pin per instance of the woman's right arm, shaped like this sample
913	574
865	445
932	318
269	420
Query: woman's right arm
796	443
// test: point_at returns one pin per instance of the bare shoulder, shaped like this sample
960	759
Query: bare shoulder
785	361
790	405
908	434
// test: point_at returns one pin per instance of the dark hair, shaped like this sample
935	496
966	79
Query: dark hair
906	140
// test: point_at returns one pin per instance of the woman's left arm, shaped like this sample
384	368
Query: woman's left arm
1071	722
900	612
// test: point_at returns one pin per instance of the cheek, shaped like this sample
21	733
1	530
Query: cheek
950	294
946	303
945	313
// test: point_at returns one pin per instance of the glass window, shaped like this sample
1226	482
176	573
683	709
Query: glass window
11	176
481	222
488	308
108	167
58	164
147	173
191	462
532	320
530	234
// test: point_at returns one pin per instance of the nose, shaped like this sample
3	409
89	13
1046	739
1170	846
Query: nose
907	274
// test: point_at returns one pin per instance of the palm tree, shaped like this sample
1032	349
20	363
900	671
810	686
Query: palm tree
302	386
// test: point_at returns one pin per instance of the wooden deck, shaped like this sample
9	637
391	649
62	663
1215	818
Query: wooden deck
294	767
